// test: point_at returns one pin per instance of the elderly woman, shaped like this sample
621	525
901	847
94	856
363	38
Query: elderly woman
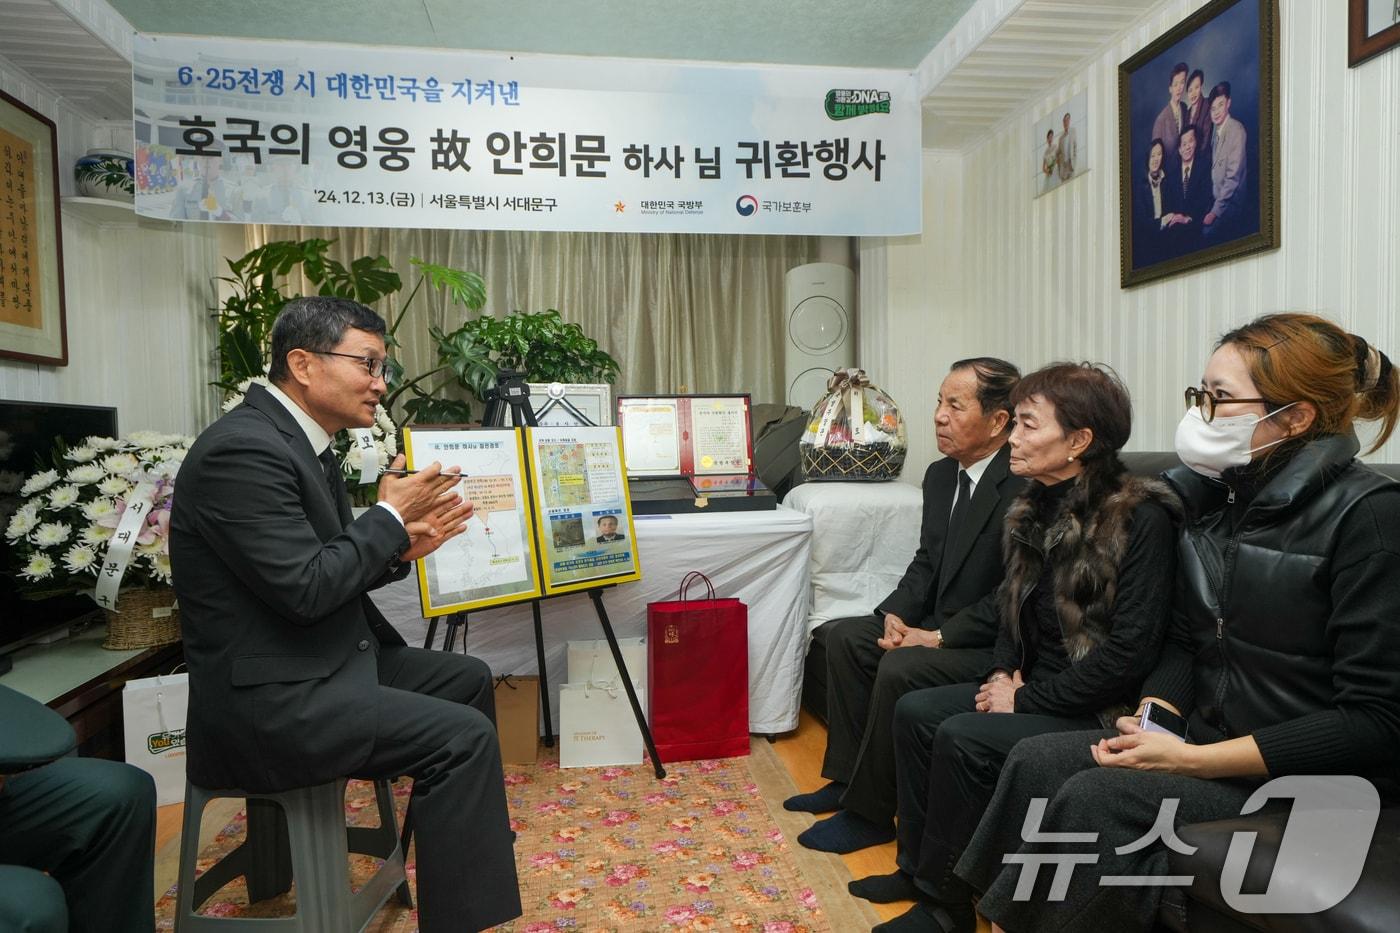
1284	652
1084	606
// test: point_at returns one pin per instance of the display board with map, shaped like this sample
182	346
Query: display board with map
568	529
585	521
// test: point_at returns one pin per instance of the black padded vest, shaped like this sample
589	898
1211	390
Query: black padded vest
1258	600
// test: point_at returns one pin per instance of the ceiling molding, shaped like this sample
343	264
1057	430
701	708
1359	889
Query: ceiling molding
1032	48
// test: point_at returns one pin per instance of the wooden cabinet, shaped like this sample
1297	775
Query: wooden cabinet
83	682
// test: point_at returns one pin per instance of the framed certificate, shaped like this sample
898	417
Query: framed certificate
494	561
685	435
571	404
586	533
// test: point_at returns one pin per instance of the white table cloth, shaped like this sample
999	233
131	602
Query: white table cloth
761	558
863	537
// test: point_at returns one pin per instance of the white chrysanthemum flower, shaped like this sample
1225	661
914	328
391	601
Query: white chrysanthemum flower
21	523
38	482
98	508
114	486
145	438
101	444
10	481
382	419
232	402
87	473
80	558
82	454
63	497
51	533
160	567
156	546
119	464
166	469
40	567
96	534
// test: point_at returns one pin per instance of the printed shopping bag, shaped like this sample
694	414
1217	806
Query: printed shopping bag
698	675
153	721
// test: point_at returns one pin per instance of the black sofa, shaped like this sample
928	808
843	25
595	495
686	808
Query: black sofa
1372	907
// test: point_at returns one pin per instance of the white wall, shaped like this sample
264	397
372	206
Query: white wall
135	295
999	273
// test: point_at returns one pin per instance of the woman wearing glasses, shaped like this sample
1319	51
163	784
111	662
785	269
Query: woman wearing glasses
1284	654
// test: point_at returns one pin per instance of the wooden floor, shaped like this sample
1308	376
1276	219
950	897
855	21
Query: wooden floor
801	753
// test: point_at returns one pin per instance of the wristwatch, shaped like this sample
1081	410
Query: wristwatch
939	633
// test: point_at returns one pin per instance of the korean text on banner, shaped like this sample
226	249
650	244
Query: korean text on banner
253	131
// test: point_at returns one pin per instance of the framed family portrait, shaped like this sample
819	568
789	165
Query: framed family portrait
1373	27
1060	144
1198	142
32	325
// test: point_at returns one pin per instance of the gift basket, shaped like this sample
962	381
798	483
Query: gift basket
855	432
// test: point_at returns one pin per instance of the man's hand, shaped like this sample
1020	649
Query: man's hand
419	494
435	530
998	695
1210	218
895	632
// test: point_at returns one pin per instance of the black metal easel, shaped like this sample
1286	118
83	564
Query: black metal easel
512	393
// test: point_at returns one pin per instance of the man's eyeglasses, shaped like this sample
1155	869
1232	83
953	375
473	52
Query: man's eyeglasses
373	365
1207	402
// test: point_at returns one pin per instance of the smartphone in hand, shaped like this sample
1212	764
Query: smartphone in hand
1157	718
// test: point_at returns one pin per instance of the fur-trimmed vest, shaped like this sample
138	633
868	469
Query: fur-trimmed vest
1088	540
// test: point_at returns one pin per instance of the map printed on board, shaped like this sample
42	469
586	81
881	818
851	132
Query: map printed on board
493	561
586	530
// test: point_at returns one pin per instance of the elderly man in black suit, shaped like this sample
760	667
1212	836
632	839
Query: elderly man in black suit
295	678
936	628
1186	195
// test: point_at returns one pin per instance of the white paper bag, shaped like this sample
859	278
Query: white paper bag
153	720
596	725
593	661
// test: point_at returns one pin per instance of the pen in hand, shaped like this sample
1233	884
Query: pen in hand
411	472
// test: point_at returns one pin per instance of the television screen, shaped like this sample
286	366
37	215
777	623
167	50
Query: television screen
30	433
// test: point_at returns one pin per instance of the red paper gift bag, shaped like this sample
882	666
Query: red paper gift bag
698	675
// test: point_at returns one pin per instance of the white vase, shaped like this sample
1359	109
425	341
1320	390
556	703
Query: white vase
106	173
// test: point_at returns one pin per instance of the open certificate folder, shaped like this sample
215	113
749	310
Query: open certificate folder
551	515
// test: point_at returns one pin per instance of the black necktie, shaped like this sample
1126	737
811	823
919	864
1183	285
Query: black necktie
960	506
330	466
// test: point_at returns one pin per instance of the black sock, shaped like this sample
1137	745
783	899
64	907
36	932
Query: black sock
885	889
822	800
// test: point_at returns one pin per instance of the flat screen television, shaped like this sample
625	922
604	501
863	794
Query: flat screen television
30	432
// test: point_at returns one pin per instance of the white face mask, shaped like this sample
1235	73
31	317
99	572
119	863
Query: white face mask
1211	448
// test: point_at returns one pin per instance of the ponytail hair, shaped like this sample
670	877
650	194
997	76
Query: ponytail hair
1295	357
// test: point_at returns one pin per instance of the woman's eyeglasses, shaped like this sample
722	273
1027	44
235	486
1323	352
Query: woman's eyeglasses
373	365
1206	401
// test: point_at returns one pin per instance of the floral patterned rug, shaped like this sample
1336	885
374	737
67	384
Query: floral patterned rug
611	849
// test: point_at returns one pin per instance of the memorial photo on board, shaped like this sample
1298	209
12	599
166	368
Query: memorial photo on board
1198	142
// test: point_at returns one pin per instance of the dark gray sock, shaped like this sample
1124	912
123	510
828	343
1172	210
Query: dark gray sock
885	889
822	800
844	832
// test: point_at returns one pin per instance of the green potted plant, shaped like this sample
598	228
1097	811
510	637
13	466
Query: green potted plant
542	345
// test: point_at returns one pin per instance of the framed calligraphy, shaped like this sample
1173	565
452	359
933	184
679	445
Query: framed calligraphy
32	322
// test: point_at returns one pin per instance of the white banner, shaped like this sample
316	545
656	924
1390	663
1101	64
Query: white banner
249	131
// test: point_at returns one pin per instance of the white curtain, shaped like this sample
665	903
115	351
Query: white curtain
679	312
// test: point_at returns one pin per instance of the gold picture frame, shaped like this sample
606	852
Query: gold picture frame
33	323
1227	205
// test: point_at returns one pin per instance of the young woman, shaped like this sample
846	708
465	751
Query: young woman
1284	653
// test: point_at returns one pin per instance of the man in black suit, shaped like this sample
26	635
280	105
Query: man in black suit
295	677
1186	195
936	628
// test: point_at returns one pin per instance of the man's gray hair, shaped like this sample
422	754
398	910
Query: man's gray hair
316	324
